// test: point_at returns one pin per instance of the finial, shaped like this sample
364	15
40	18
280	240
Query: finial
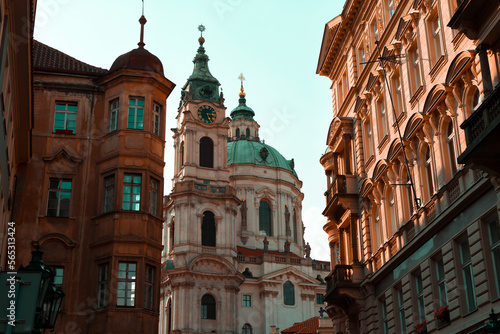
142	21
242	91
201	28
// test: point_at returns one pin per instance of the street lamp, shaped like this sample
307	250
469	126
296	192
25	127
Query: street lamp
493	326
34	301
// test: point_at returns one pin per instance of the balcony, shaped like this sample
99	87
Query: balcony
343	285
482	133
341	193
203	188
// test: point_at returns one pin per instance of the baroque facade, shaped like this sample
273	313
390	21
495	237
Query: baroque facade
91	193
412	199
235	260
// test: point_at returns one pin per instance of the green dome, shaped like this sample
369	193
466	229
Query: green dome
257	153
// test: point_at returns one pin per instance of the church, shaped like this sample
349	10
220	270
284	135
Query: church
234	258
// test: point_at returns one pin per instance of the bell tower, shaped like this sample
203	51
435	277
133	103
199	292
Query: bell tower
201	213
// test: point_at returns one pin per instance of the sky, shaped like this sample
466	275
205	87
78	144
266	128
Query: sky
274	43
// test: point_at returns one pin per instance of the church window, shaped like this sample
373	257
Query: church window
58	279
149	287
319	298
114	108
265	218
131	192
288	293
247	133
109	193
295	234
135	113
208	307
247	329
103	286
65	117
206	152
238	133
156	119
181	153
127	277
208	232
247	300
59	198
153	196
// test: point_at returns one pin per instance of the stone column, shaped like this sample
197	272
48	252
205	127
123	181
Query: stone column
347	153
482	50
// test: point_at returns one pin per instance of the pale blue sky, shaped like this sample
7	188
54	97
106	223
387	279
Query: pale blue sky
275	43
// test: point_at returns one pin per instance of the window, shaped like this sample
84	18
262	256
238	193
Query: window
383	122
135	113
494	238
103	286
295	238
450	142
58	279
377	226
181	153
392	211
109	193
238	133
390	8
409	195
127	276
288	293
206	152
441	282
401	310
361	58
385	319
398	93
419	294
208	232
265	218
156	119
114	108
131	192
153	196
319	298
65	117
434	29
247	133
208	307
374	29
247	329
149	288
467	275
414	69
369	140
428	173
59	198
247	300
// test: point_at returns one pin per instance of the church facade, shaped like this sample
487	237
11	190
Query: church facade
234	260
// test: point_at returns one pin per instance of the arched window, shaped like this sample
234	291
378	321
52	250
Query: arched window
295	235
238	133
247	329
476	99
450	143
288	293
392	211
409	196
428	173
265	218
169	316
208	307
206	152
208	229
247	133
377	225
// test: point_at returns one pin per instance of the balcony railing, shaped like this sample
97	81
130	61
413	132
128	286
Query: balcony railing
482	117
342	276
338	186
202	187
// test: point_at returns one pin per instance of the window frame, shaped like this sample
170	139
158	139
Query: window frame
149	287
466	277
109	193
208	310
419	296
135	120
385	316
247	301
133	201
451	148
154	196
206	154
208	229
59	191
130	284
66	112
288	294
103	285
401	309
114	113
156	119
266	226
414	69
435	34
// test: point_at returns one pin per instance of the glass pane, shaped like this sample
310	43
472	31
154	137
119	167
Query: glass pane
137	179
127	179
494	233
126	206
127	190
60	106
140	102
136	189
72	107
66	185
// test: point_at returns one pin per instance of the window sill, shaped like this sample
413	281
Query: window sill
437	67
418	93
383	143
369	162
64	132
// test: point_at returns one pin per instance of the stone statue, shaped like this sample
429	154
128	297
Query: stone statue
307	249
266	245
287	247
287	221
243	211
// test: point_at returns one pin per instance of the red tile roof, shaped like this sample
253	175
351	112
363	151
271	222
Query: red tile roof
259	252
45	57
309	326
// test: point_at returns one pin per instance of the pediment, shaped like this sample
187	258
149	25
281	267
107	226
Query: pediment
62	162
211	264
292	274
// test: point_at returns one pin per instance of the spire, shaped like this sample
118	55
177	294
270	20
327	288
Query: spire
142	21
242	111
201	83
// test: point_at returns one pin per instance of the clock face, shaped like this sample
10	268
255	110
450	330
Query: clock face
207	114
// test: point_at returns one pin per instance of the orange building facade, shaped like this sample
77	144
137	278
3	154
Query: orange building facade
412	199
92	192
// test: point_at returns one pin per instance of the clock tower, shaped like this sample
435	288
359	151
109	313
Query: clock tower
201	252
